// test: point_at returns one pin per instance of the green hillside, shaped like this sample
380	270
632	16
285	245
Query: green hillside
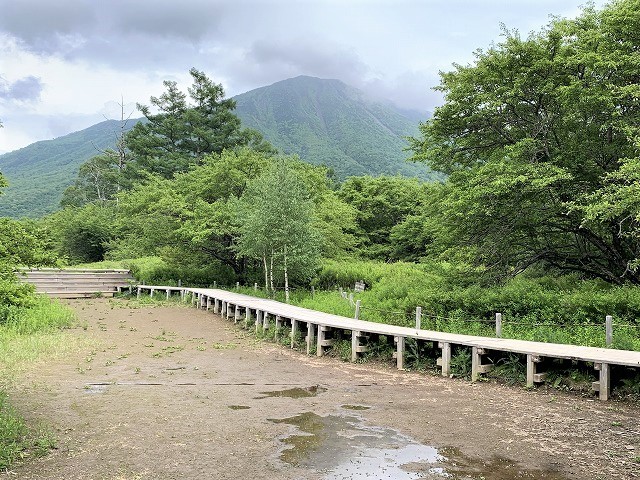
328	122
40	172
323	121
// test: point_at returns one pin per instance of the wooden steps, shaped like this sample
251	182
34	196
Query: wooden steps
77	283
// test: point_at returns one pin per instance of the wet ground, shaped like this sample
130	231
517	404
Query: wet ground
173	393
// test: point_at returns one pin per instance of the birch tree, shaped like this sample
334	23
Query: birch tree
277	226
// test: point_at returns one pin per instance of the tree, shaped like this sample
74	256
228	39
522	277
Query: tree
528	133
82	234
380	204
102	177
23	243
99	180
276	226
183	132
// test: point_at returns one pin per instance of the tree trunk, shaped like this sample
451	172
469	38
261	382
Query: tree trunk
286	277
271	273
266	272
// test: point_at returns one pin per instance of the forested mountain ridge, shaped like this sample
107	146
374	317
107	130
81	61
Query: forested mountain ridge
323	121
328	122
39	173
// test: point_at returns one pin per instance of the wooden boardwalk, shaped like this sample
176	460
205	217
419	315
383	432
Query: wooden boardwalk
318	327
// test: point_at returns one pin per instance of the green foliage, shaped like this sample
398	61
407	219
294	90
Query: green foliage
182	133
555	309
22	243
381	203
99	179
461	362
510	369
276	225
41	315
82	234
532	134
418	355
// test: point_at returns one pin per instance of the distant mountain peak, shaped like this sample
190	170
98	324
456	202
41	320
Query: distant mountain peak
326	121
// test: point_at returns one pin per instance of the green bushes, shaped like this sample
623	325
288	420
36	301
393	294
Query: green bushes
561	309
157	271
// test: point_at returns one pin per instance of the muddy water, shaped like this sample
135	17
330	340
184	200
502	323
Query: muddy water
345	447
295	392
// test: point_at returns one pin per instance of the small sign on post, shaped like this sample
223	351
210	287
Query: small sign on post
359	286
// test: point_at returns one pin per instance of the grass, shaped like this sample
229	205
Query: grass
33	333
17	440
27	335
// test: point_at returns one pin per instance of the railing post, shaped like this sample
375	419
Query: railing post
418	318
609	330
357	315
499	325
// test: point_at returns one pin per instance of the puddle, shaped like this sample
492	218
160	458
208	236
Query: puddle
239	407
344	447
355	407
295	392
461	467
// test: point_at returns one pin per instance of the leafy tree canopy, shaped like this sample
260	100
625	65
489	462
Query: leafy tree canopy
534	132
380	203
276	225
182	128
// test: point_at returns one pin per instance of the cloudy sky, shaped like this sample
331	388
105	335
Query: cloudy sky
65	64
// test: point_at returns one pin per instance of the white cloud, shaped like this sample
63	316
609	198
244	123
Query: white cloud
69	58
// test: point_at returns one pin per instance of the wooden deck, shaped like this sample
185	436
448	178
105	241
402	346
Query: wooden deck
317	327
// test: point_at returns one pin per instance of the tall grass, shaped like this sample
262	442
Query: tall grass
26	335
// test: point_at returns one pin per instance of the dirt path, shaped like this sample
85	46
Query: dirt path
178	393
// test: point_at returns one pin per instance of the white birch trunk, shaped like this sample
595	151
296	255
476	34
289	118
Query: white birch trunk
286	276
266	272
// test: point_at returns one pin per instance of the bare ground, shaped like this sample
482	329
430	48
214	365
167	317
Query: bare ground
150	398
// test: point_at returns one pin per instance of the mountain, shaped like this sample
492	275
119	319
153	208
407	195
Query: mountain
40	172
323	121
328	122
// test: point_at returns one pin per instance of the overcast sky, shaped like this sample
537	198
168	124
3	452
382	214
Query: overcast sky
65	64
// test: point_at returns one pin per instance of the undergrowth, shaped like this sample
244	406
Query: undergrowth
28	333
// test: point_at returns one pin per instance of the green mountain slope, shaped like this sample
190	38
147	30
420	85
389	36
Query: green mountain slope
323	121
327	122
40	172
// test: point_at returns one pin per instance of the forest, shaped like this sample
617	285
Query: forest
538	142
